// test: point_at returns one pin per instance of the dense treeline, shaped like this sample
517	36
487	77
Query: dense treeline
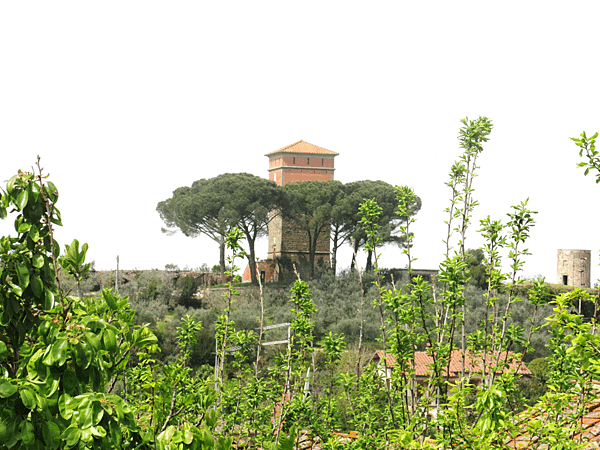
212	207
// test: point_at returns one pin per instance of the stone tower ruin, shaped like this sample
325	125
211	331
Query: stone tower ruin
296	163
573	268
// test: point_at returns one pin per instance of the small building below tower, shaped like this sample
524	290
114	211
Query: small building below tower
573	268
266	271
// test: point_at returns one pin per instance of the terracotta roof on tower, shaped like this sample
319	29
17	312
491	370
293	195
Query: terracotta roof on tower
303	147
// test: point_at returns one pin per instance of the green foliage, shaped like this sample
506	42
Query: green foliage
62	356
73	262
407	199
59	353
477	268
588	146
84	373
389	221
186	289
211	207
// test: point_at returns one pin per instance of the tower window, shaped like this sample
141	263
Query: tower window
565	279
294	160
322	161
307	160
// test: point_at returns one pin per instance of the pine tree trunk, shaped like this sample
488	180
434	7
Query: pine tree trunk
222	258
252	261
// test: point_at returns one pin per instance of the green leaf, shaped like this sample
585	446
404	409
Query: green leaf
93	340
70	382
58	353
23	274
110	340
83	355
51	435
24	227
28	398
177	437
54	380
209	440
72	435
18	291
38	261
7	389
144	337
52	191
224	443
188	437
27	433
167	435
15	434
98	431
211	418
7	429
97	412
85	416
34	191
63	406
110	299
37	286
116	433
48	299
34	233
22	200
3	351
3	212
3	430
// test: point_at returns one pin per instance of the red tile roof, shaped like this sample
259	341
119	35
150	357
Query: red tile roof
303	147
473	362
589	422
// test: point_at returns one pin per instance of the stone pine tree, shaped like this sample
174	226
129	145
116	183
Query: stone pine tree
343	215
250	202
212	206
384	194
197	210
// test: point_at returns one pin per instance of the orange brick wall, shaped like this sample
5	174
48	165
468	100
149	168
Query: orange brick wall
290	168
263	266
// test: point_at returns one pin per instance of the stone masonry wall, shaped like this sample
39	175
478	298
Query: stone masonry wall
573	268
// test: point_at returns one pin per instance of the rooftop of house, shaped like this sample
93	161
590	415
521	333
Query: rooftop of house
589	423
473	362
303	147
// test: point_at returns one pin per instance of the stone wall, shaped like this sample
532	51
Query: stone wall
573	268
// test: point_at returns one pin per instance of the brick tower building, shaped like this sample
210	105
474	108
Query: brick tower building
287	243
296	163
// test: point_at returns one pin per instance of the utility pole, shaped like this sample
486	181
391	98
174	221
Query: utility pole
117	277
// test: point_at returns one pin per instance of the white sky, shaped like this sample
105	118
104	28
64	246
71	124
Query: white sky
127	100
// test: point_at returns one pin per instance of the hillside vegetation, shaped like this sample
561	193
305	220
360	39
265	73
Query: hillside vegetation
163	369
